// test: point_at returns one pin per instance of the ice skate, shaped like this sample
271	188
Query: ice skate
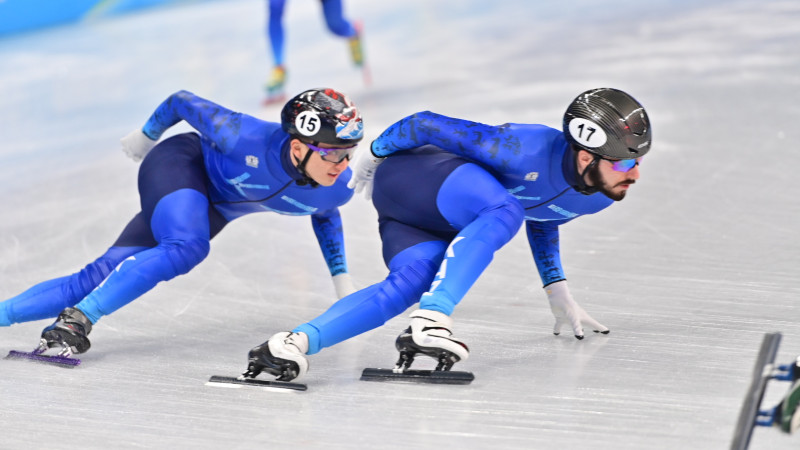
356	50
356	46
430	334
282	355
275	86
68	333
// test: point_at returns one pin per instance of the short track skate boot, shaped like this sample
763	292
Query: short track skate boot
282	355
356	50
275	86
430	333
69	333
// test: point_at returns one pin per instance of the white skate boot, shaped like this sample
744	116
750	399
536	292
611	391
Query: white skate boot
430	333
283	355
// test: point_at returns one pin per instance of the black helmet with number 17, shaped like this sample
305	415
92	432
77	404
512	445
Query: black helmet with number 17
608	123
323	116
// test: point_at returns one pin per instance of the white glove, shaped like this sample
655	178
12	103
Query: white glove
364	168
137	145
567	310
343	284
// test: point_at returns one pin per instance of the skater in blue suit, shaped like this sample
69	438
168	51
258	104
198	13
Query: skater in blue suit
333	11
191	185
449	193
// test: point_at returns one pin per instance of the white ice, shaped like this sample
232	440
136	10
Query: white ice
689	271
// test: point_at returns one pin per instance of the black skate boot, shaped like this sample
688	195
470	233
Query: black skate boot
68	333
282	356
430	333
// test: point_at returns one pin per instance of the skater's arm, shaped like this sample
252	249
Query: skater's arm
328	229
487	144
543	238
217	123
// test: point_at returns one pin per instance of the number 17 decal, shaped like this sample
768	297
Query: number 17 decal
587	133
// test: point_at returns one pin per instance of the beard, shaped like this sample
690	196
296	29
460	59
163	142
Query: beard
602	186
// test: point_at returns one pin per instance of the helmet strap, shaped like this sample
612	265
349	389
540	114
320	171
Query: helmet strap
301	167
581	185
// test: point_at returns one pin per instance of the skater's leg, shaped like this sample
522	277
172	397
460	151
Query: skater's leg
411	272
338	25
48	298
488	217
410	249
175	225
471	200
275	32
180	225
334	18
276	36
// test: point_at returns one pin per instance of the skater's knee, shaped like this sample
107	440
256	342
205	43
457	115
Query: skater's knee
84	282
89	277
339	27
502	222
511	215
405	285
186	254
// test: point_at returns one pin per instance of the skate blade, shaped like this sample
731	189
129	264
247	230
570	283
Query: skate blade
55	360
418	376
235	382
366	74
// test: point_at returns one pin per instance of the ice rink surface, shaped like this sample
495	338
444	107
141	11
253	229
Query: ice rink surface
689	271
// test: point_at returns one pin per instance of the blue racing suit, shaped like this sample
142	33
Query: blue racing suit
191	185
449	194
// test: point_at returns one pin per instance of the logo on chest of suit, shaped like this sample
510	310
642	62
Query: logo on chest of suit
251	161
532	176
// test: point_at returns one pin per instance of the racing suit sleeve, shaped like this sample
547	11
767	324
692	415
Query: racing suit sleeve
328	229
213	121
494	146
543	238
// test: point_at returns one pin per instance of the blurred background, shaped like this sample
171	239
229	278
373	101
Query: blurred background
689	271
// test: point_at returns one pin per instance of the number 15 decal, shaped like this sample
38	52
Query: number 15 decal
587	133
307	123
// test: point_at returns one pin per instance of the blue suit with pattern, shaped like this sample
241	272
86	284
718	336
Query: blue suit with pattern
449	194
191	185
